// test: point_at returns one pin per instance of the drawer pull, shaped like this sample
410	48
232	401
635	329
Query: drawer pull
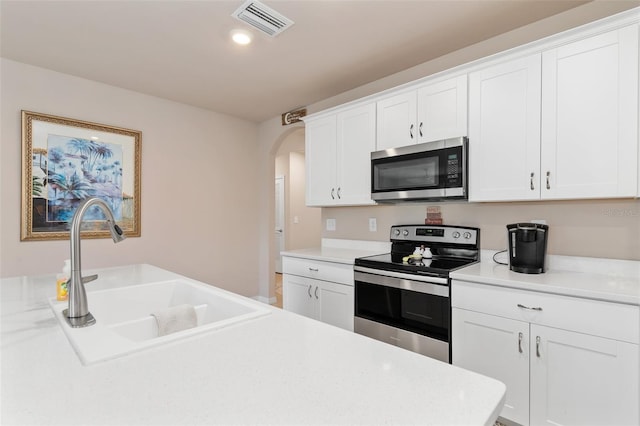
520	342
313	269
539	309
538	346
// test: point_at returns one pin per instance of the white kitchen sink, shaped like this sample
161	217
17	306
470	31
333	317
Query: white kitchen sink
124	323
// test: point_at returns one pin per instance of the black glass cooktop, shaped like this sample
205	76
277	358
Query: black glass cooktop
438	265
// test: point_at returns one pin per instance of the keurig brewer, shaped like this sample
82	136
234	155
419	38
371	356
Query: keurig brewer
527	247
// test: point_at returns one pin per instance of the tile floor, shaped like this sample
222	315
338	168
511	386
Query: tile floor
278	302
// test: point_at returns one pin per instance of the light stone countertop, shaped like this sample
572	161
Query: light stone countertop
591	278
278	369
340	251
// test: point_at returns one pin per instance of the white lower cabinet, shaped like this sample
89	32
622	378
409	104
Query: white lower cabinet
578	379
304	293
322	300
499	348
565	361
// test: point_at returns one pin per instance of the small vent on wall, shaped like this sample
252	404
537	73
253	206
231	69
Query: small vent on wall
262	17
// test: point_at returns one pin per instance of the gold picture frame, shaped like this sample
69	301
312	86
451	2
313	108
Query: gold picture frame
65	161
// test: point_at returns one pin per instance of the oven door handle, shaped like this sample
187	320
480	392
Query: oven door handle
412	277
435	288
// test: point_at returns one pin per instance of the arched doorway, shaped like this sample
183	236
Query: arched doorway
296	226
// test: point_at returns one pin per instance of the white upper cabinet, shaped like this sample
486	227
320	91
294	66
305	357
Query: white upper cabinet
431	112
560	125
590	117
396	121
356	140
504	131
320	156
555	119
442	110
338	157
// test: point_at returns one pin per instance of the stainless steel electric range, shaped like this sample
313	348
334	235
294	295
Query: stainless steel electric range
403	300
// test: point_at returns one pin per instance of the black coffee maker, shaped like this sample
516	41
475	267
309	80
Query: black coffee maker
527	247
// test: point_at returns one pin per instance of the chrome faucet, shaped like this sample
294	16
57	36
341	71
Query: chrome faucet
78	314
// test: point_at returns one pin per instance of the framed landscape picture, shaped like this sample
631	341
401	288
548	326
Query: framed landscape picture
65	161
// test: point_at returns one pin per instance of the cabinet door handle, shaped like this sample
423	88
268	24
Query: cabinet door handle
339	193
520	342
332	191
420	129
548	184
411	131
539	309
531	182
309	291
313	269
538	346
316	292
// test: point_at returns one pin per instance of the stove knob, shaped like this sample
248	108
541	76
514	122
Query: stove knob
396	232
467	235
405	232
456	234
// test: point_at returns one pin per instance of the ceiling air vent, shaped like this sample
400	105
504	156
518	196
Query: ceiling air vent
262	17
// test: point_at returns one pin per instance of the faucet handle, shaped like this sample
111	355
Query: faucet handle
89	278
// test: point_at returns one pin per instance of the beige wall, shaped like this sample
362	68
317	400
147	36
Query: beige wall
306	231
302	223
603	228
199	169
572	18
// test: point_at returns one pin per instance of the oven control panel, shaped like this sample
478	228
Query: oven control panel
435	233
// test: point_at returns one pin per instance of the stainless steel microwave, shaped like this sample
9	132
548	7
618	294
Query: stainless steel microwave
428	171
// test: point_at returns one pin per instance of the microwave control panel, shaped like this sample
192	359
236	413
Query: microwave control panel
453	168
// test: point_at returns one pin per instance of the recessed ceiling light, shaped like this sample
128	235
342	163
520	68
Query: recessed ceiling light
241	37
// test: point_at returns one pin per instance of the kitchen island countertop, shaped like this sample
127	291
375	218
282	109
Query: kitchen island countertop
278	369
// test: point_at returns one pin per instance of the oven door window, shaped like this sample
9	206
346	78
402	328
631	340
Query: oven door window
413	311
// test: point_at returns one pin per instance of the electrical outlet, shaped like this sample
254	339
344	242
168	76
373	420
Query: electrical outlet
373	224
331	224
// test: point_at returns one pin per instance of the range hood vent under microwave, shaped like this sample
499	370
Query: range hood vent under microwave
262	17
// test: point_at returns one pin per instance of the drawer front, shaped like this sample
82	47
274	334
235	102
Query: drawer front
327	271
605	319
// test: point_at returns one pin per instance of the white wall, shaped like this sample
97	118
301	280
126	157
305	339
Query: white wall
199	173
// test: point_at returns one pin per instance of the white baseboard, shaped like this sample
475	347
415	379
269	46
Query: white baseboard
265	300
